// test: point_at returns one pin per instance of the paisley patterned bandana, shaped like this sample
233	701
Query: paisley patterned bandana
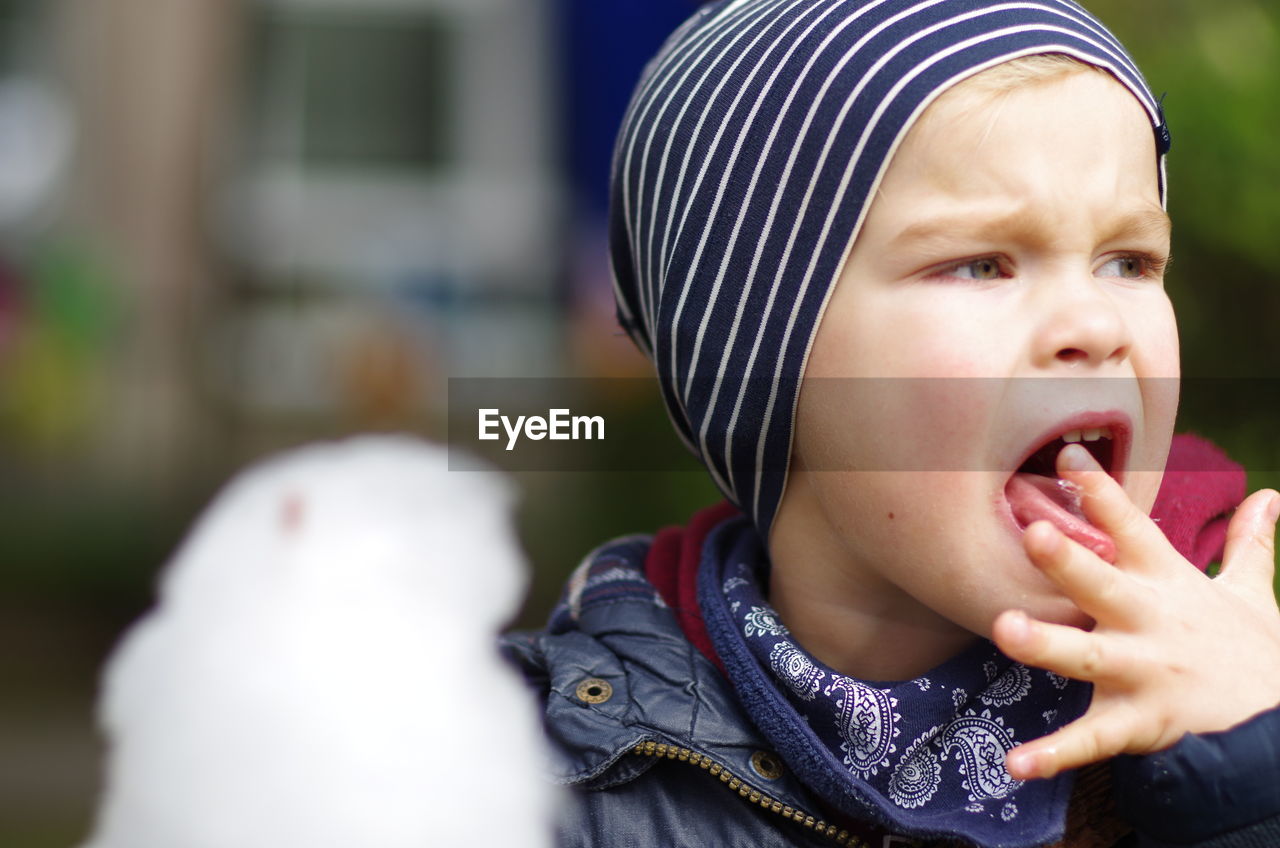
924	757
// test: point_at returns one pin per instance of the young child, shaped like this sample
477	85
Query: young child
938	611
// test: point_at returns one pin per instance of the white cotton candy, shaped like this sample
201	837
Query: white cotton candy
321	668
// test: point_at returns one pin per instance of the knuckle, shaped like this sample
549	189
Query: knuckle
1142	731
1131	521
1118	665
1089	746
1094	659
1162	731
1110	740
1107	589
1266	541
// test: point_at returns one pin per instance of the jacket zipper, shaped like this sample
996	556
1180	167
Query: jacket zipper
749	792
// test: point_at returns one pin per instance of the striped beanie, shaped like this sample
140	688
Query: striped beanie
744	168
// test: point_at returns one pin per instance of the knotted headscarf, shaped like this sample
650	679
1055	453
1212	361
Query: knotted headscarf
744	168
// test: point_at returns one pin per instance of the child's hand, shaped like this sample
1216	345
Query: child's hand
1172	651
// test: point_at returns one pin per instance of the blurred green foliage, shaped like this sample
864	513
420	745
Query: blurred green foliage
52	372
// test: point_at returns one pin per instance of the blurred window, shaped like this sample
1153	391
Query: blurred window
338	88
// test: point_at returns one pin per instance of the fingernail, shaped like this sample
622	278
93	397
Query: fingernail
1044	537
1273	509
1025	765
1018	627
1076	458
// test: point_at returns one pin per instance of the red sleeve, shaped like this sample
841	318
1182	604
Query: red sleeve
1201	489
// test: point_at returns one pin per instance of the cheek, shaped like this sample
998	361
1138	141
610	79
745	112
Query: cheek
886	368
1158	366
939	341
1156	339
1146	469
914	527
892	424
911	332
882	521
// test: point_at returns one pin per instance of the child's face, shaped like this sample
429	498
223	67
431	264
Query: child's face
1018	237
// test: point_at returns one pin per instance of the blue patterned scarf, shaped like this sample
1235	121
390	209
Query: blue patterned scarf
923	757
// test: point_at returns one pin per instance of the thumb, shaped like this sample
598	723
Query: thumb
1250	553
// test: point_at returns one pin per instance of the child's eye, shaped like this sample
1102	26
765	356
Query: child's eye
987	268
1131	267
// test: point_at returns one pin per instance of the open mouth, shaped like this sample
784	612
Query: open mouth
1035	492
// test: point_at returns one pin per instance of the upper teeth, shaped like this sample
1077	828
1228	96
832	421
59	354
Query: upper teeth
1088	434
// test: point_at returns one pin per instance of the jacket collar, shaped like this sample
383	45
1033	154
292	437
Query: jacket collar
665	697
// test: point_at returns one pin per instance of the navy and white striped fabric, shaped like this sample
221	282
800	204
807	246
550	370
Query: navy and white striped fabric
741	176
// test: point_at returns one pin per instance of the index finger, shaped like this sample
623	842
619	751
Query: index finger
1108	507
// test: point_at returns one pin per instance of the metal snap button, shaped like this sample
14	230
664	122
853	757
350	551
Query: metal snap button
766	765
593	690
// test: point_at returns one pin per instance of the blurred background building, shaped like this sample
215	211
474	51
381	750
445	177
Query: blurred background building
232	226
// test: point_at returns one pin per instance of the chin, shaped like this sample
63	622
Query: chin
1037	597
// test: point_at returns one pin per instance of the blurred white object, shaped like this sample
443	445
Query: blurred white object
321	668
37	137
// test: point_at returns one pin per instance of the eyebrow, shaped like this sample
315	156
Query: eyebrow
1148	222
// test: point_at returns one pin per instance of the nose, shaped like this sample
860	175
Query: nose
1081	325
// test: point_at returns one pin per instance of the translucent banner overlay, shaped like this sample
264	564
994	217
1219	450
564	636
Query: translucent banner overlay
869	424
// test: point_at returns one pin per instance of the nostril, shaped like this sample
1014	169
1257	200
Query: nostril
1072	355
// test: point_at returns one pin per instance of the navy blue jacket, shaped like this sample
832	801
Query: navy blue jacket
651	735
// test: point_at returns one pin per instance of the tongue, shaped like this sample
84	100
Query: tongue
1034	497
